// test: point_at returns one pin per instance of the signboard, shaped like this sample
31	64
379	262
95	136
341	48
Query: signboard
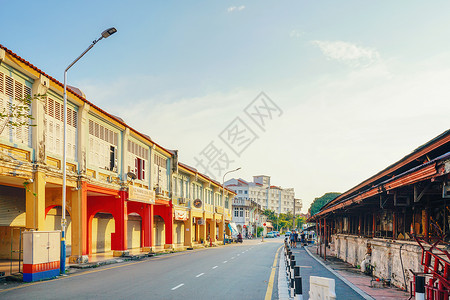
141	195
219	209
181	215
201	222
197	203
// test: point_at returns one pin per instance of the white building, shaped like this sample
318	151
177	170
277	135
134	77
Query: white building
253	197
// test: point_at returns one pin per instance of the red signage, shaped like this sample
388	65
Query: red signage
245	226
264	224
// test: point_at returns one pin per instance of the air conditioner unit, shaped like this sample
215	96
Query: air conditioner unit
158	191
181	200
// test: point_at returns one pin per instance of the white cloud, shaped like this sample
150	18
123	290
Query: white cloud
295	34
349	53
236	8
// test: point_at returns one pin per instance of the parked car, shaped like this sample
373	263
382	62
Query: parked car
270	235
288	233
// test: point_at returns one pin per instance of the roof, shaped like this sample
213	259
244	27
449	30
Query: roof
420	158
79	94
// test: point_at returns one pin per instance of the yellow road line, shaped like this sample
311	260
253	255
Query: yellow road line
272	277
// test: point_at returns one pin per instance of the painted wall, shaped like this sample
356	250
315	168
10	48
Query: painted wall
385	256
178	228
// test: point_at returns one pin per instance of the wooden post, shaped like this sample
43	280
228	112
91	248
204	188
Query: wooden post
325	240
360	225
394	225
374	224
425	223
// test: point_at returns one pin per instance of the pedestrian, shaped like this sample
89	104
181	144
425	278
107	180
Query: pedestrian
291	238
295	238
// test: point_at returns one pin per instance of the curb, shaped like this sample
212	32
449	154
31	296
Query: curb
351	285
283	287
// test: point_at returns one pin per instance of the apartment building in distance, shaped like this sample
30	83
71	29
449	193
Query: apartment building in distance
261	194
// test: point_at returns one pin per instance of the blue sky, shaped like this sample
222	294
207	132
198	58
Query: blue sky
360	83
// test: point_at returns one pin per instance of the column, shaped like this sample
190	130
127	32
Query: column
79	225
35	202
40	86
168	221
221	228
202	230
213	230
119	237
188	231
147	228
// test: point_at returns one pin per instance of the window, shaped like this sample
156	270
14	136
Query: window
160	171
103	144
137	160
236	212
245	192
241	212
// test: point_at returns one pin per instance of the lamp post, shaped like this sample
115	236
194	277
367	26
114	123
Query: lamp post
104	34
223	197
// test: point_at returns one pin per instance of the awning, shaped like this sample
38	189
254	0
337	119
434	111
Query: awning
233	228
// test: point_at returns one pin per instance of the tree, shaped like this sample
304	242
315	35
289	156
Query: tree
318	203
17	113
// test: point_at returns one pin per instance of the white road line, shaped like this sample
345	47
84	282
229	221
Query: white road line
232	257
225	261
243	252
200	274
215	267
238	254
174	288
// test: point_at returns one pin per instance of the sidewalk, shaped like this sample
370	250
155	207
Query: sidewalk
357	278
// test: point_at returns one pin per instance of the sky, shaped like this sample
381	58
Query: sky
350	87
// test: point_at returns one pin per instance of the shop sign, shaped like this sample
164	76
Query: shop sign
141	195
219	209
181	215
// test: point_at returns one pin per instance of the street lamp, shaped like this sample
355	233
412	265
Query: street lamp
105	34
223	197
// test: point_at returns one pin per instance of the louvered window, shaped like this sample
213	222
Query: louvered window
11	93
137	160
54	134
160	171
103	144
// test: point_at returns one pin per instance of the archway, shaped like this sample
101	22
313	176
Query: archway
102	226
134	231
159	230
53	216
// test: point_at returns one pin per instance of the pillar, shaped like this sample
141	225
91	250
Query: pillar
374	224
188	236
168	221
325	240
360	225
35	202
79	225
119	237
212	229
425	222
221	228
147	227
394	225
202	230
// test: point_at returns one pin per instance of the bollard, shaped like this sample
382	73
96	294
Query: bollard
420	287
292	287
298	288
296	271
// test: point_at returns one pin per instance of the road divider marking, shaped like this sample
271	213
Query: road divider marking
238	254
225	261
200	275
272	277
180	285
215	267
232	257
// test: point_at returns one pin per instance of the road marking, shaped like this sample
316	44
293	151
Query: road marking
238	254
200	275
225	261
272	277
180	285
305	266
215	267
232	257
243	252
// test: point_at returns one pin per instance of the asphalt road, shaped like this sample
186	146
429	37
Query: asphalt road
232	272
